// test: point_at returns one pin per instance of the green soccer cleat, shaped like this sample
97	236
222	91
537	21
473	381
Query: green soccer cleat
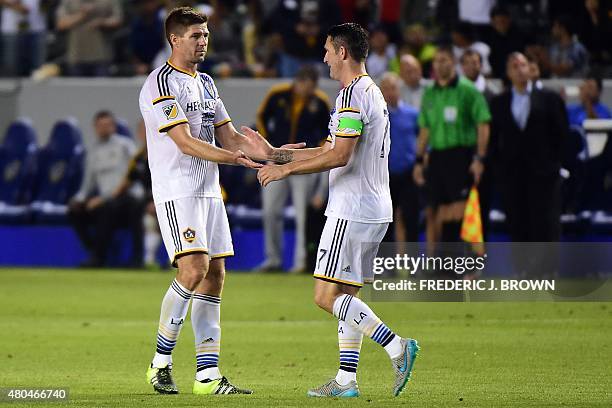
333	389
219	386
161	378
403	364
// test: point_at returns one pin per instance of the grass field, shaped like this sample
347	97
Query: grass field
94	332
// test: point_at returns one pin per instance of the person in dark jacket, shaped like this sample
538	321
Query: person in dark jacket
529	127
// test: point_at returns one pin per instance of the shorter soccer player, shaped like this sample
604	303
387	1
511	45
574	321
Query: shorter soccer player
358	212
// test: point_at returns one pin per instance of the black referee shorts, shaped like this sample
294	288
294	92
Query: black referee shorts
448	178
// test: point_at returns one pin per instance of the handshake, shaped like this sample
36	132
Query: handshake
260	149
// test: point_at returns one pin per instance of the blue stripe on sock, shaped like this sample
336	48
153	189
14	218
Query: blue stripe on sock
165	342
376	332
162	339
381	333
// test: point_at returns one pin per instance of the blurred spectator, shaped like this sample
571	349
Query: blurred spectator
446	15
590	106
95	206
139	174
403	132
23	36
362	12
477	13
528	130
415	11
381	53
224	57
453	124
301	27
471	65
567	56
595	31
146	35
416	43
462	36
534	74
259	54
89	25
503	38
413	83
389	18
291	113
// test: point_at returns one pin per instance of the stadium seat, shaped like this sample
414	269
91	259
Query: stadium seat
17	169
60	172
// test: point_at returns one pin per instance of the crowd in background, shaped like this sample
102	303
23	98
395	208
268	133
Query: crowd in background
273	38
530	163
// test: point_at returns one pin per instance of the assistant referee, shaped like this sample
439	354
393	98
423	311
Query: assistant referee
454	127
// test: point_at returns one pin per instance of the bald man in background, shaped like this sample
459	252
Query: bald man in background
413	83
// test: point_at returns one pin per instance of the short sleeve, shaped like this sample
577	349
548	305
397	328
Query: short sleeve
351	115
166	109
480	109
221	115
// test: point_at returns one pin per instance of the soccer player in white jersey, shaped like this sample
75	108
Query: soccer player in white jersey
184	118
358	212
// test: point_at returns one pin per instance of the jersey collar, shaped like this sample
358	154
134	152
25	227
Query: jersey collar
355	79
181	70
451	84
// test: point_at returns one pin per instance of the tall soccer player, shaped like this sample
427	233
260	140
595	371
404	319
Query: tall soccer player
359	209
184	118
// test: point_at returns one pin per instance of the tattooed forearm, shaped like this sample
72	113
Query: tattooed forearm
282	156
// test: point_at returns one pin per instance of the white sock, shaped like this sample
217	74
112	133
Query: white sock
354	311
173	311
206	322
349	343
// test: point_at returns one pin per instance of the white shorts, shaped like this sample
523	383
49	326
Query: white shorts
347	250
195	224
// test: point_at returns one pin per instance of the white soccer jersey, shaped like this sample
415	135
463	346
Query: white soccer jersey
169	97
359	191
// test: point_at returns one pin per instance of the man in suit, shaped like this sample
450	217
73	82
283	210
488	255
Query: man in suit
528	128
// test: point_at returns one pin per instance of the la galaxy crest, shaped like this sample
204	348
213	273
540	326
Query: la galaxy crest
189	235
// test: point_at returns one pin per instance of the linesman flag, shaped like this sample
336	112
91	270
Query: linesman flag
471	227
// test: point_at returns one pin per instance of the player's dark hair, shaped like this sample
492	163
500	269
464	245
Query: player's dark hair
352	37
103	114
307	72
180	19
470	53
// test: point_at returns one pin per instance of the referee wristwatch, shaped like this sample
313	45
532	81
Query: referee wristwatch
478	157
